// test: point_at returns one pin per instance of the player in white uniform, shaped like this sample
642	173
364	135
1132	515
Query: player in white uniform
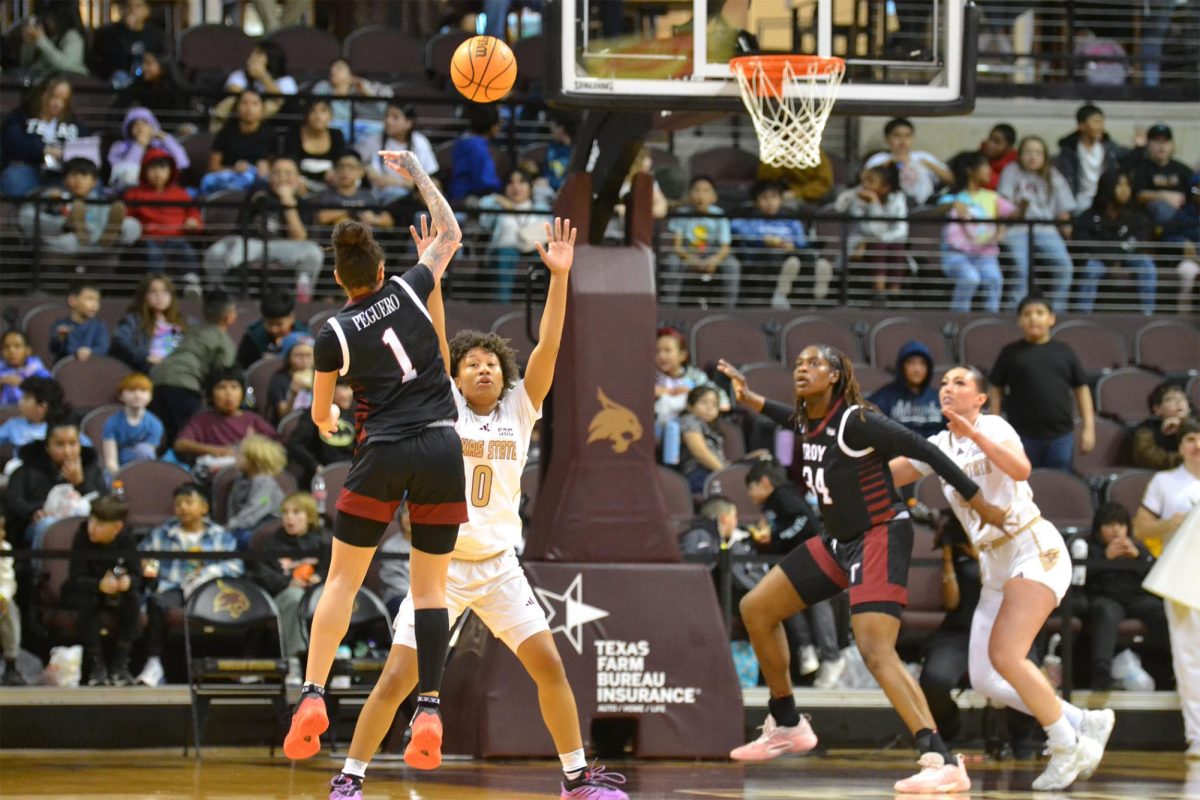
1025	570
496	415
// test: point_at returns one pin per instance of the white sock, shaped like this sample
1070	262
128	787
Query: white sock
355	767
1074	715
573	763
1060	733
152	661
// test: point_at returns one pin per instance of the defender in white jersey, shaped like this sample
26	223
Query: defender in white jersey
496	415
1025	569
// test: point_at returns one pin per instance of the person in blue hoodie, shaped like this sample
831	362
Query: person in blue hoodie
909	399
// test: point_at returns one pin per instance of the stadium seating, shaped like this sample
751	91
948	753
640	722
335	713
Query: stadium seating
1063	498
148	488
731	338
222	487
1099	348
730	481
92	425
309	51
889	336
678	495
384	53
1122	394
803	331
258	380
772	380
1169	347
92	383
980	341
36	324
1109	454
208	53
334	476
1128	488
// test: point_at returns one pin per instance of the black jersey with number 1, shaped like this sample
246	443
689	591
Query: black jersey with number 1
845	465
384	344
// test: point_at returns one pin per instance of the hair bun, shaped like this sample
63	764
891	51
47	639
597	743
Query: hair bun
351	234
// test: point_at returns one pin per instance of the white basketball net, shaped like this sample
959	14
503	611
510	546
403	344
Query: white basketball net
790	113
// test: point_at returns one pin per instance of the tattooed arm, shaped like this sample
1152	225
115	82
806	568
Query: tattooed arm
437	256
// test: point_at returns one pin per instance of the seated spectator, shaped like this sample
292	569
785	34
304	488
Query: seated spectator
179	379
169	584
765	239
998	148
80	333
1183	233
909	399
243	149
1040	192
271	213
716	529
10	617
1171	495
152	327
701	246
349	198
301	560
1160	183
399	133
165	228
920	172
801	185
643	162
41	399
971	250
291	388
513	236
308	448
53	41
160	88
1086	154
474	173
140	134
19	363
357	120
266	74
32	137
132	434
266	336
81	222
675	378
1111	234
878	243
255	496
118	47
53	481
559	149
105	581
214	434
315	146
703	451
1155	442
1117	594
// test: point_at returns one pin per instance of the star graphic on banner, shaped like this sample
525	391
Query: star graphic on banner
575	613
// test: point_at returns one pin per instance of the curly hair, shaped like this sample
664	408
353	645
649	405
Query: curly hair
466	341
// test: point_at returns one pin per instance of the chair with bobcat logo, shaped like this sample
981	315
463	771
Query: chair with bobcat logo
231	633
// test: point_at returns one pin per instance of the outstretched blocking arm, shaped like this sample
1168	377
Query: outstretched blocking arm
558	256
447	241
437	309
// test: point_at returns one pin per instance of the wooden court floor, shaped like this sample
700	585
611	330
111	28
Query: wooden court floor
841	775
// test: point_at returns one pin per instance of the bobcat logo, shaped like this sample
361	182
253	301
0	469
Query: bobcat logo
230	600
616	423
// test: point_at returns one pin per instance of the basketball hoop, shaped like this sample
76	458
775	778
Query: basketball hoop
789	97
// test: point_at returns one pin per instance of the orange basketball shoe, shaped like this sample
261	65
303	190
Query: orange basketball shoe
308	723
424	749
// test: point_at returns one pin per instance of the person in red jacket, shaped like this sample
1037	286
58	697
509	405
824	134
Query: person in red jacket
165	228
1000	149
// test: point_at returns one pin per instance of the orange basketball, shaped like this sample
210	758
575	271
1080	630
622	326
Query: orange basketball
483	69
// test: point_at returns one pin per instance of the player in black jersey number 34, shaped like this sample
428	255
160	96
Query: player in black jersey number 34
383	343
865	547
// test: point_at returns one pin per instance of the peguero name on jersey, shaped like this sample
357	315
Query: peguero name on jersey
388	304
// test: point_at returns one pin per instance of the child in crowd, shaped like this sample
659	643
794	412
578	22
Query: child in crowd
1109	233
214	434
83	222
56	479
308	448
242	151
1155	442
910	399
165	228
291	387
399	133
1035	381
80	333
132	434
513	235
358	120
41	398
314	146
879	243
10	616
474	170
105	581
703	451
256	496
674	377
301	561
971	250
1086	154
140	134
152	327
179	378
265	336
920	172
1117	594
558	150
998	148
1040	193
701	246
19	363
349	198
766	238
171	582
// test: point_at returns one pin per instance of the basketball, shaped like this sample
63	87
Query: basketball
483	69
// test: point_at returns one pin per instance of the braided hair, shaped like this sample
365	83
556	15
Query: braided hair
846	388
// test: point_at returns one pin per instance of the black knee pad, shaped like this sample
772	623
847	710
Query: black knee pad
436	540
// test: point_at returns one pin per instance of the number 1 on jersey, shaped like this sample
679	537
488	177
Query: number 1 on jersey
406	366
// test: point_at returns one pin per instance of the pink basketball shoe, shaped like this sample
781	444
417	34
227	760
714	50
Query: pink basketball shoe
936	777
777	740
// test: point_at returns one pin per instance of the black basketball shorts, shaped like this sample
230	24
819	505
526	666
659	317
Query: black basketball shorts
874	567
428	468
